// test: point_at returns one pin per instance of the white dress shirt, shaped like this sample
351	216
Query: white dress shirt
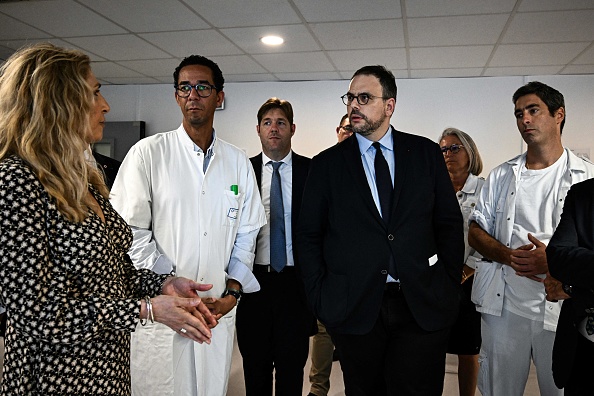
286	174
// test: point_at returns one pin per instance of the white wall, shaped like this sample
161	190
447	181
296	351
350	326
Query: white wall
481	107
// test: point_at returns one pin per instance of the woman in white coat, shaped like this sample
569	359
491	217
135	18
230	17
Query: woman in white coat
464	165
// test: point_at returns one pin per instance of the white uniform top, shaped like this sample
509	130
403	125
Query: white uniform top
467	198
194	219
496	214
523	296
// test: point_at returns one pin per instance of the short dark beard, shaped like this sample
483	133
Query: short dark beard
369	127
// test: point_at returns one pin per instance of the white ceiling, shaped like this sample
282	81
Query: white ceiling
142	41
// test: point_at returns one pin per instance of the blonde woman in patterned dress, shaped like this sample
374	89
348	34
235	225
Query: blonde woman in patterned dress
72	297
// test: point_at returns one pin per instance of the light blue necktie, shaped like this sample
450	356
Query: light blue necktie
278	249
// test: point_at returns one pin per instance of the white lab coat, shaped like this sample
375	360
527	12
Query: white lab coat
194	219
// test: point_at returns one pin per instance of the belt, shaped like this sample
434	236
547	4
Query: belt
264	269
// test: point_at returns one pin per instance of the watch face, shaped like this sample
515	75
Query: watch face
567	289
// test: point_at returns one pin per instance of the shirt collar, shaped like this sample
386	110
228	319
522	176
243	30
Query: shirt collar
89	156
210	149
574	163
386	141
577	164
471	184
287	160
189	143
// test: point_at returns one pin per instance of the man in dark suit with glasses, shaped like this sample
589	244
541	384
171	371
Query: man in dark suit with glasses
380	241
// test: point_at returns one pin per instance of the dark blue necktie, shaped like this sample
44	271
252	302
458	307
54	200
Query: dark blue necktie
383	182
385	190
278	249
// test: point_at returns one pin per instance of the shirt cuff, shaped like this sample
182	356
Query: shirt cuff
241	273
471	261
163	265
480	219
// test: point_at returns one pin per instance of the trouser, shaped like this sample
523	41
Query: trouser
397	357
509	343
580	382
321	362
273	334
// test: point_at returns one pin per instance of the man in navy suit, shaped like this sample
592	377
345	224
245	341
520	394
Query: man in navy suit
108	166
570	255
274	324
382	269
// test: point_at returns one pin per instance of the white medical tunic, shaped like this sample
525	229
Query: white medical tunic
192	219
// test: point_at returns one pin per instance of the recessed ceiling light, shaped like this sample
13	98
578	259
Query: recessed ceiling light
272	40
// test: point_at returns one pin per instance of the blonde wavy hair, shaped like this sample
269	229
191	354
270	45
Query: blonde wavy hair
45	105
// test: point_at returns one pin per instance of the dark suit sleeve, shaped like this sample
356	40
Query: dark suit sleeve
448	221
570	252
310	232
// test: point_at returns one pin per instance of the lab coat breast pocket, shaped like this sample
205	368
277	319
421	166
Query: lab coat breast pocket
231	209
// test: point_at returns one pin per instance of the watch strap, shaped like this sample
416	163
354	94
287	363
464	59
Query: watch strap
233	292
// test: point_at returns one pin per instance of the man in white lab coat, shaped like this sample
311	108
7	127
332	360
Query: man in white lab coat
194	208
518	210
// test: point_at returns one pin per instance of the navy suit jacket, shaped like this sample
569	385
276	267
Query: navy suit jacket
344	246
108	166
570	255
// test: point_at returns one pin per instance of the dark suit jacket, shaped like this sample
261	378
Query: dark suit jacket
344	246
109	166
300	171
570	255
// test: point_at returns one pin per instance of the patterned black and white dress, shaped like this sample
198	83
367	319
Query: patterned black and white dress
71	296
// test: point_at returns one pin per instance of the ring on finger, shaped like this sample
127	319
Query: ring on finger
183	331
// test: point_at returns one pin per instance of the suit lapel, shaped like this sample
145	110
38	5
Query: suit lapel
257	165
300	170
354	166
401	155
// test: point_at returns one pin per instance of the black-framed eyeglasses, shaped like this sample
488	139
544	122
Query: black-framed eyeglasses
454	148
203	90
347	128
362	99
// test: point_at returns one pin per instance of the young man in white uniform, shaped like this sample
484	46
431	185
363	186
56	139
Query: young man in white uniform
518	210
194	208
